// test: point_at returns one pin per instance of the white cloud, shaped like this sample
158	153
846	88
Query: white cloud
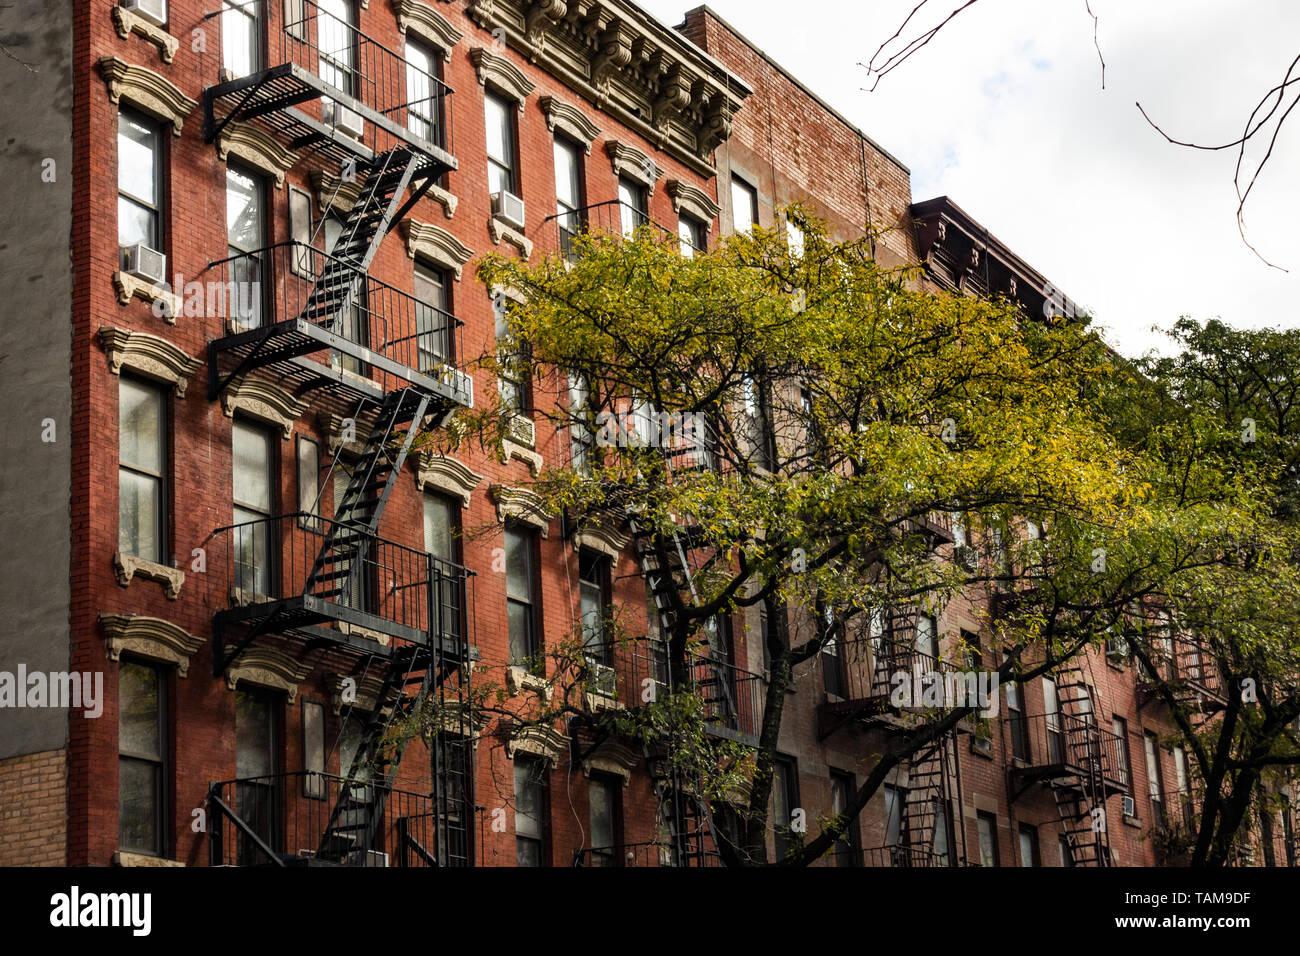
1004	113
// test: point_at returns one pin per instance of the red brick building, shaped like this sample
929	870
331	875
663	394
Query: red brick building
272	213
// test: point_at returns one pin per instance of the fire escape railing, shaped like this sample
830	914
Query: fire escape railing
307	53
394	329
1065	745
612	218
283	820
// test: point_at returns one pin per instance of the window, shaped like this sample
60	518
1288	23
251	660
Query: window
241	37
139	181
442	540
502	173
309	484
744	206
894	799
785	800
1063	843
336	34
1120	727
568	192
846	851
927	646
1180	769
433	321
603	794
758	424
352	319
987	826
530	811
142	748
1029	845
521	593
1052	720
253	495
1155	780
593	585
694	236
1016	723
423	98
313	749
142	470
513	386
246	240
256	764
794	238
633	208
832	668
942	813
581	439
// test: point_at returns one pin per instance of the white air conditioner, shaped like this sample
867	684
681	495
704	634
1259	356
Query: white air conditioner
144	263
347	121
1130	807
155	11
603	680
509	208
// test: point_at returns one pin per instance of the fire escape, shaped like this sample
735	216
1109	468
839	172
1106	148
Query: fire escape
1076	760
331	591
861	671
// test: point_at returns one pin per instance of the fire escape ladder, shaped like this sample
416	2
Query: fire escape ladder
354	822
927	794
337	289
341	563
1078	795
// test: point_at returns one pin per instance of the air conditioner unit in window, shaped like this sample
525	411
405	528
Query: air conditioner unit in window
1130	807
347	121
603	680
509	208
155	11
144	263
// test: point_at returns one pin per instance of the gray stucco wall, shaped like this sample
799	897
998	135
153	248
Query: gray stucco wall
35	355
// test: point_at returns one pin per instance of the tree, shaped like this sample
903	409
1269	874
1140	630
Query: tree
1223	413
844	410
1263	125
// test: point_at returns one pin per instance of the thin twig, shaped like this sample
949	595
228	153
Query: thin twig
897	59
1095	42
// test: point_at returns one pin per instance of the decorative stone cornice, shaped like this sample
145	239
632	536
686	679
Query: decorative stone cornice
502	74
264	401
444	198
428	24
498	230
629	161
545	742
257	149
569	119
650	78
268	667
440	473
521	505
368	689
150	637
128	566
693	200
149	355
602	536
463	721
129	286
519	679
435	244
128	22
614	759
324	182
147	90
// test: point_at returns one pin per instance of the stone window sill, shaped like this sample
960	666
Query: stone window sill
129	567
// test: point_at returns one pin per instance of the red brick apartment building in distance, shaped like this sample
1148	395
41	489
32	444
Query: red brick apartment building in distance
211	517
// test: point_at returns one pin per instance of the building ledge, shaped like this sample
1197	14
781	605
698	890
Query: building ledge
129	567
128	22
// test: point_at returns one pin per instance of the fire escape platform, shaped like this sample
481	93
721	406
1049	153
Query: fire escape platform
270	97
282	348
1067	775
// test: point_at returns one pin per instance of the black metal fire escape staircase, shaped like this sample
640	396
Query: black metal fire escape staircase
693	827
1078	795
927	796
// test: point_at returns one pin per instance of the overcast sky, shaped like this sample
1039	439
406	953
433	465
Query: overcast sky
1005	114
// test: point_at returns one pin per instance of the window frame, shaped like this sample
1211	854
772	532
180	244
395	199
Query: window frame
847	850
257	253
434	276
508	165
266	519
597	575
1028	830
434	120
532	636
613	787
740	184
785	782
156	209
538	776
982	818
256	19
162	508
162	763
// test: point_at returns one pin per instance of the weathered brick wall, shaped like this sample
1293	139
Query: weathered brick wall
34	809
